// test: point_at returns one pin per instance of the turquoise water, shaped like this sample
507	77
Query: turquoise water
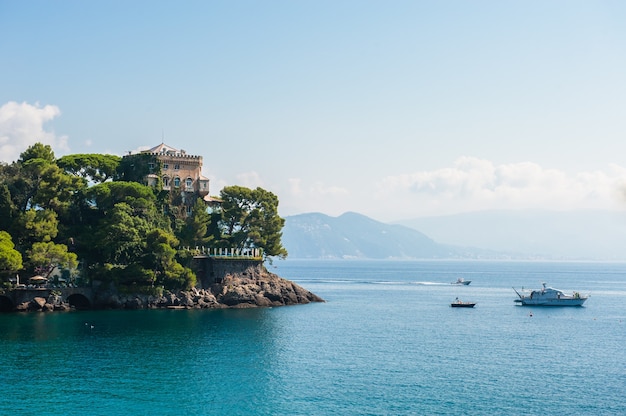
385	343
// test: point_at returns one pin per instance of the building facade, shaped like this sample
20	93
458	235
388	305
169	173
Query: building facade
178	170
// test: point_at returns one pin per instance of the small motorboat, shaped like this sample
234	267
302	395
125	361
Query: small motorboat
461	281
548	296
459	304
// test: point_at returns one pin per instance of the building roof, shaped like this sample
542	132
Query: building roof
163	149
212	199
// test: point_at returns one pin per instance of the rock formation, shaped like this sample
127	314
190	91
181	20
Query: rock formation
239	285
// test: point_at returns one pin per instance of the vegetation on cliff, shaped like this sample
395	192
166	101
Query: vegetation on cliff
92	216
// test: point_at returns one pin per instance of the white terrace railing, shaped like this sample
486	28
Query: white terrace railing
248	253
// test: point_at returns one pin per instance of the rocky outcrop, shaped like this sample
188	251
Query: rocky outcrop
251	287
191	299
258	287
38	303
245	285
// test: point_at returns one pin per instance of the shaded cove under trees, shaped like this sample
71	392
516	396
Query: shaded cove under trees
96	210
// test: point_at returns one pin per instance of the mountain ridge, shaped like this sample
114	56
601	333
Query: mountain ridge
495	234
355	236
574	234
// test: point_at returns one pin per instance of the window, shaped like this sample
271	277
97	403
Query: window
188	182
165	166
189	210
177	182
166	181
176	166
151	167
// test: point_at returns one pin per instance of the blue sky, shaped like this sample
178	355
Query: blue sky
392	109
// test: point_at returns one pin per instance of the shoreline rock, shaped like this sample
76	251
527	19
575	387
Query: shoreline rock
250	288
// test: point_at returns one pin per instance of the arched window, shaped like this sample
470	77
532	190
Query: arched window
166	181
177	182
188	182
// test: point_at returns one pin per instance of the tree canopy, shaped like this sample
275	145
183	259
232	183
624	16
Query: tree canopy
10	259
96	210
250	220
94	167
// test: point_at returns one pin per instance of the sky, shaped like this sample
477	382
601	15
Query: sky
393	109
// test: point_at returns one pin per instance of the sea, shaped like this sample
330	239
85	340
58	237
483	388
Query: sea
385	342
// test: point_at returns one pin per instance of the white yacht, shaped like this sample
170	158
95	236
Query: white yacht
548	296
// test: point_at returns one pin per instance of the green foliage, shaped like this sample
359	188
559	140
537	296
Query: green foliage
36	182
179	277
45	257
194	231
10	259
8	210
250	219
121	235
94	167
38	226
135	168
161	257
37	151
52	187
135	275
139	197
54	212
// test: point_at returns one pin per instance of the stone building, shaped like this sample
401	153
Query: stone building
178	171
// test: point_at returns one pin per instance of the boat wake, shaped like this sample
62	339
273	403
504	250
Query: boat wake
431	284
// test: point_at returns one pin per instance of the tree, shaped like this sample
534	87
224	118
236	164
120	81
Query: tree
194	230
38	151
94	167
135	168
120	237
38	226
35	181
10	259
139	197
7	208
249	219
161	257
46	257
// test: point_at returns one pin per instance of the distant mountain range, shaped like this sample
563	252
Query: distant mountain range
355	236
548	235
579	235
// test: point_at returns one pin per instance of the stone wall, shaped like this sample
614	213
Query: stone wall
211	270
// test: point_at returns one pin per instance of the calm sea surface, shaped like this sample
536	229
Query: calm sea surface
386	342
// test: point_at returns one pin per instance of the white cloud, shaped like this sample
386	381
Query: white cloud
475	184
469	184
250	180
298	196
22	125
